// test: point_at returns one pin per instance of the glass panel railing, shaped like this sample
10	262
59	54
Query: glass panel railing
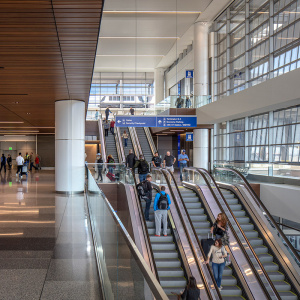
107	172
233	176
124	274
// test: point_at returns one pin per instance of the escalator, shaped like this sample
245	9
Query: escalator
145	146
111	147
263	234
129	142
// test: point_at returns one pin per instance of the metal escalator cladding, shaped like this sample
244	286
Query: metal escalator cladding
111	148
144	144
202	227
266	258
167	259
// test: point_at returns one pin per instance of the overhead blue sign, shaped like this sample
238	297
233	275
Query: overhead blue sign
189	74
156	121
189	137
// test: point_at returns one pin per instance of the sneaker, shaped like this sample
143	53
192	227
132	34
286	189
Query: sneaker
157	235
165	235
220	288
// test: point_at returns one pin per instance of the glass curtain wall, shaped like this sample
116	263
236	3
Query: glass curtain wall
268	143
255	40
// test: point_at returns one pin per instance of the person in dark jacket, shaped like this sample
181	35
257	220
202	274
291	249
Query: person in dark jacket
191	291
156	160
3	163
148	196
143	168
9	161
130	159
99	162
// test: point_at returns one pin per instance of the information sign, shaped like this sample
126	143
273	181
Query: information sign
189	137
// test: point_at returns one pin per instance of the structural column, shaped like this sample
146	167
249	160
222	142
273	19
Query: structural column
201	79
201	148
159	84
69	146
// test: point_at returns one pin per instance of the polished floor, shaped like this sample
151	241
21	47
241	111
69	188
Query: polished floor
46	249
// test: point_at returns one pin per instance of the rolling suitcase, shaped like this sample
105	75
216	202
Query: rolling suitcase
110	176
207	243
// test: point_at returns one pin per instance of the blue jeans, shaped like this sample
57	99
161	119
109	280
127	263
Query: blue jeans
142	177
125	142
218	272
147	208
111	170
181	169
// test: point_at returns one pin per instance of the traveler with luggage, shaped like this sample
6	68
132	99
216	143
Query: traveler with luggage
99	165
156	160
125	137
9	161
3	163
144	189
169	161
143	168
218	253
20	162
106	127
191	291
220	229
130	159
161	206
183	159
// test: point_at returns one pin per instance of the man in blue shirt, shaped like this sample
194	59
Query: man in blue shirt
183	159
161	206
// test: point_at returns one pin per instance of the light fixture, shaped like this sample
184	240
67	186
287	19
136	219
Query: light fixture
15	135
21	131
26	127
131	55
149	12
139	37
161	134
9	122
177	130
28	113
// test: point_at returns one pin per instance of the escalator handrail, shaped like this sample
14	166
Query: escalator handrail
239	241
145	230
133	141
150	140
288	226
102	140
262	206
188	236
140	150
158	291
118	148
195	233
119	145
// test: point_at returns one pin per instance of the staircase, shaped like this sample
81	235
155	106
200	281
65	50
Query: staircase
167	258
144	144
202	227
263	253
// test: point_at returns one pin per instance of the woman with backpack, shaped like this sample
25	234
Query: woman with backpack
220	227
218	253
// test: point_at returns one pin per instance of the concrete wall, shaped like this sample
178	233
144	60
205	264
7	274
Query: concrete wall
46	150
281	200
91	128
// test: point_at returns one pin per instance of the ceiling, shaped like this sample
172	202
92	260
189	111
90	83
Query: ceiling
47	52
136	35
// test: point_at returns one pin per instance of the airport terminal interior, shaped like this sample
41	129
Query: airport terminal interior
150	149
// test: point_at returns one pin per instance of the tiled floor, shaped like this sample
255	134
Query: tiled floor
46	250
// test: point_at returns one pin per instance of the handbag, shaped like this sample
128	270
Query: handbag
227	258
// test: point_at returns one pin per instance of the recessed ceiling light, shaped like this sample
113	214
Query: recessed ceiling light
14	135
149	12
28	113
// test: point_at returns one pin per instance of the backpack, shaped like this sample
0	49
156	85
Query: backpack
143	167
142	188
162	202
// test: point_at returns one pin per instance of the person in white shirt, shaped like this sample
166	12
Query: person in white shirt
20	162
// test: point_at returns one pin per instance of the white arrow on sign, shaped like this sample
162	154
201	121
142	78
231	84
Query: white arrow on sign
119	121
159	121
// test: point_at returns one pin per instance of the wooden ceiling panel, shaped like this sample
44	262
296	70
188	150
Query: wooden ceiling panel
47	53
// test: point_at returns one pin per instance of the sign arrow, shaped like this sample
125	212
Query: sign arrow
159	121
119	121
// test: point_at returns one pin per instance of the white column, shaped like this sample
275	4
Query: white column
69	146
201	58
159	85
200	148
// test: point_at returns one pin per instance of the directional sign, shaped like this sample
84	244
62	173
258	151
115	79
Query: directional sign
189	137
189	74
176	121
156	121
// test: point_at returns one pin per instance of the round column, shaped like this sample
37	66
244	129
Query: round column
200	148
69	146
159	84
201	58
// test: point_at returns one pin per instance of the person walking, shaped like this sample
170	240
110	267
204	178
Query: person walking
37	162
107	111
3	163
9	161
106	127
31	162
219	229
183	159
112	127
147	190
130	159
169	161
110	161
99	165
161	206
218	253
131	110
191	291
156	160
20	162
125	137
143	168
188	102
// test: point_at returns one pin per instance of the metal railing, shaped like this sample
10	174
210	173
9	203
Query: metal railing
150	140
102	140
